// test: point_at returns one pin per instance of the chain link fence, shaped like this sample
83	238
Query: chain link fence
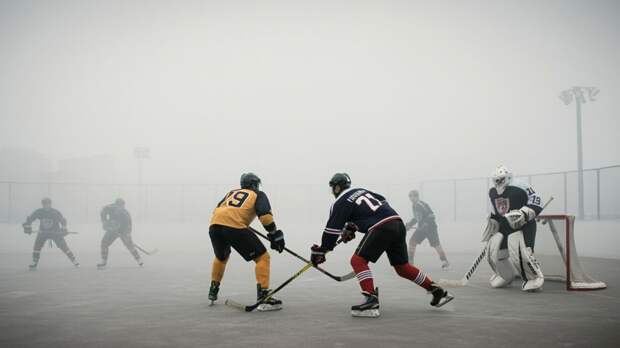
308	204
467	199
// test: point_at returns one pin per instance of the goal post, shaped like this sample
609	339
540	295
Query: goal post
556	251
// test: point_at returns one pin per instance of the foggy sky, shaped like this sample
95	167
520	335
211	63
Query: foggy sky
386	90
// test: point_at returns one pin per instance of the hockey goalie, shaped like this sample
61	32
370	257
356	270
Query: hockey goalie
511	232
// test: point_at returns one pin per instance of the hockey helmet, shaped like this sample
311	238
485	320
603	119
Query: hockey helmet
250	181
341	180
502	177
46	202
120	202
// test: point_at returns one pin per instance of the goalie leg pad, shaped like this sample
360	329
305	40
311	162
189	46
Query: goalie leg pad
499	261
524	261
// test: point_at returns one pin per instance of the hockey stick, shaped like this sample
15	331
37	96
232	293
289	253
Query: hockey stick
334	277
63	234
470	272
250	308
149	253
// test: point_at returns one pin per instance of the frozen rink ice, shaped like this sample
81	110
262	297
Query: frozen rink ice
165	305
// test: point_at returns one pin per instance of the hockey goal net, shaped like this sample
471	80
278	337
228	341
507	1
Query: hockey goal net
556	251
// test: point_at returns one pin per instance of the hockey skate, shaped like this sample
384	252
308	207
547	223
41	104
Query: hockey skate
440	296
271	304
213	290
445	265
533	285
75	264
102	265
32	267
370	307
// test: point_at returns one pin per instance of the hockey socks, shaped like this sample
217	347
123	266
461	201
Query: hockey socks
262	270
412	273
217	270
363	274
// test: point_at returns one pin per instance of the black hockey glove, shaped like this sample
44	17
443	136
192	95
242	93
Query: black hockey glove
348	232
277	240
317	255
27	228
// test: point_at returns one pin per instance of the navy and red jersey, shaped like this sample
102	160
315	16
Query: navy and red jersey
515	196
364	208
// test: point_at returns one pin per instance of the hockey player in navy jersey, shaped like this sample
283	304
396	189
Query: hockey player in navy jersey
360	210
424	218
52	226
511	232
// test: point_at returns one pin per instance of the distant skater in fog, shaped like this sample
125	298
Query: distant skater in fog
52	226
116	223
424	217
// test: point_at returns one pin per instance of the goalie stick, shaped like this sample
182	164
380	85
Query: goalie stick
149	253
470	272
334	277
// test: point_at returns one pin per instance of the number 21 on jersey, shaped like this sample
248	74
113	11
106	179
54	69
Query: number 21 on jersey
370	201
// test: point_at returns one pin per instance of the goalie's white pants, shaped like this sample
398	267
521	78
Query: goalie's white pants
525	263
503	270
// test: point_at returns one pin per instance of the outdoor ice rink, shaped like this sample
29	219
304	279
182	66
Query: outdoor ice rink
165	304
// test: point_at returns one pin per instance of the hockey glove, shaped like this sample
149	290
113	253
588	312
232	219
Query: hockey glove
518	218
491	228
277	240
317	255
64	231
27	228
348	232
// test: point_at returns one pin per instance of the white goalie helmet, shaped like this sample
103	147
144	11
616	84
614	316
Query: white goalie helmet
502	177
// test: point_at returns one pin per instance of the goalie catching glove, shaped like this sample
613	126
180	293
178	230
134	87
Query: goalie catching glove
317	255
277	240
518	218
348	232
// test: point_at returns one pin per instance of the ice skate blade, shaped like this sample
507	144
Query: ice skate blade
369	313
212	303
101	268
32	269
268	308
444	300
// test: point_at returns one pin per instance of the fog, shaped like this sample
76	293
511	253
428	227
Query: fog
393	92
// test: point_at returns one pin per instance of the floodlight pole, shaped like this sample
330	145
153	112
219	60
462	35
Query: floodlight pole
567	96
579	160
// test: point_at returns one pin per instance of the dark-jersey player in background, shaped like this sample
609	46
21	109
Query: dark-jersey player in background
358	209
514	207
426	228
230	228
52	226
116	222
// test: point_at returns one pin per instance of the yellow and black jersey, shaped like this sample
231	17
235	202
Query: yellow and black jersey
239	208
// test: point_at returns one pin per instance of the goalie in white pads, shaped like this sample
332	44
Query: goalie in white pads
514	207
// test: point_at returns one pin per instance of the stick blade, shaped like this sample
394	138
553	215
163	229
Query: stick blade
237	305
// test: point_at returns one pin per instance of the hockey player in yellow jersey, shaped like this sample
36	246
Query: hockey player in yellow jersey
230	228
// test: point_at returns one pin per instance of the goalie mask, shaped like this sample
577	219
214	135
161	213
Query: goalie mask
501	178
